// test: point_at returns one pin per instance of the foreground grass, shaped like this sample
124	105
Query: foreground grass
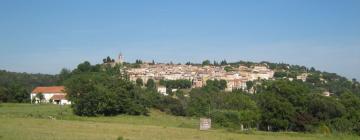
56	112
43	122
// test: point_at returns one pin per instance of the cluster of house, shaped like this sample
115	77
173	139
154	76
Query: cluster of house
236	78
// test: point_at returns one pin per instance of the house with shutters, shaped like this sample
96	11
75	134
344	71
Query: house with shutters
52	94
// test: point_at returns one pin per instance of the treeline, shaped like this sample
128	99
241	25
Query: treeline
16	87
279	105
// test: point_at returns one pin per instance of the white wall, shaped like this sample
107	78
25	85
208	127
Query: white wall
47	97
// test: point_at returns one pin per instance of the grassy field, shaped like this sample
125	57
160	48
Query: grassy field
52	122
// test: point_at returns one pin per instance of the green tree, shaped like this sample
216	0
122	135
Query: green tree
64	74
150	84
280	74
222	63
228	68
40	96
84	67
139	82
249	85
206	63
217	84
276	112
216	63
102	94
324	108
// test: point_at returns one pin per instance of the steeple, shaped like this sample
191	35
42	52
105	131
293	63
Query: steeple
120	59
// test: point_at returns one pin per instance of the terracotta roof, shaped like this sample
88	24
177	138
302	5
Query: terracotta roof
53	89
58	97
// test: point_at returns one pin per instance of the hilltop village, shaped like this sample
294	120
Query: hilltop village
236	78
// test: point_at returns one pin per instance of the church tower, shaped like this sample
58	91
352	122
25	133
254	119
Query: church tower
120	59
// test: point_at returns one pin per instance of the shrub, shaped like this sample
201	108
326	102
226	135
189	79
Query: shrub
120	138
234	119
324	129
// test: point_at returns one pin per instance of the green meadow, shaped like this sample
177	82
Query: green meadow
53	122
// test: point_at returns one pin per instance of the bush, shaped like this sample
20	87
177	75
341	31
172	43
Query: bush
341	125
120	138
324	129
172	106
234	119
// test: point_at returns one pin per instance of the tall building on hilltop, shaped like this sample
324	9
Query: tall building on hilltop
120	59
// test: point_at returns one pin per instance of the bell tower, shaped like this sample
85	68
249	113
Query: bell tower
120	59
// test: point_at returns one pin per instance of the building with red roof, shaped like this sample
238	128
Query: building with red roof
51	94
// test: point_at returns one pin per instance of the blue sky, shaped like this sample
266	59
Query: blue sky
47	35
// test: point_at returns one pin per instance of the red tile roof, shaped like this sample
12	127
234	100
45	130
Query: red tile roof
58	97
53	89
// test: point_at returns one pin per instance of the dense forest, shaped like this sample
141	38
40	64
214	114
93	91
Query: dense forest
282	104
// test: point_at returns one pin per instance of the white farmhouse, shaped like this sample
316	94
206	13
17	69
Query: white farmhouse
53	94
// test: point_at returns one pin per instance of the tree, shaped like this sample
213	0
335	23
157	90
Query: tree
228	68
314	79
153	62
108	59
2	94
40	96
172	106
84	67
236	101
64	74
177	84
216	63
138	61
280	74
217	84
222	63
249	85
150	84
276	111
206	63
324	108
103	94
139	82
199	103
312	69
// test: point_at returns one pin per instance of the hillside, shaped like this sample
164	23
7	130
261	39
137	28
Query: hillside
296	98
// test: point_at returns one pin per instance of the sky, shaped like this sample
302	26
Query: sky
44	36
